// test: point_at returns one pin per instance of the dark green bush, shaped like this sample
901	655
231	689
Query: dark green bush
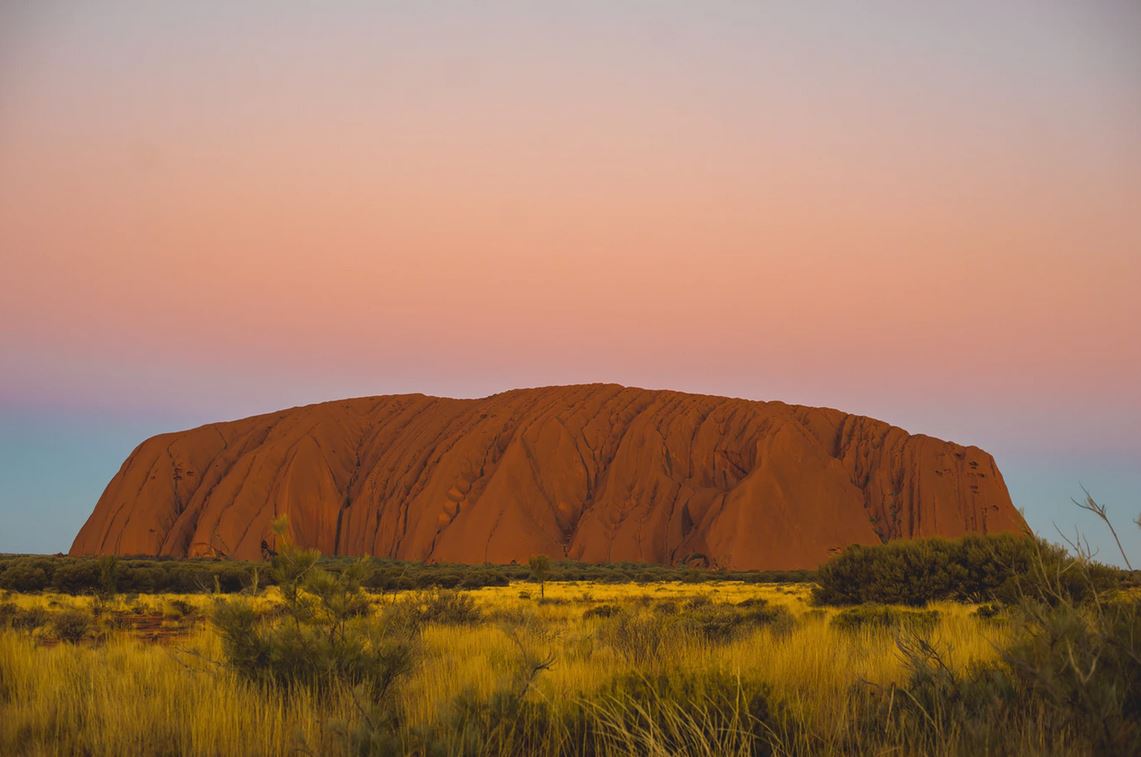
971	569
322	634
25	578
442	606
882	616
1067	682
71	626
719	622
987	611
27	619
446	607
76	577
1070	681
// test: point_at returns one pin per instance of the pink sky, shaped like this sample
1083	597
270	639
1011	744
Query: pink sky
932	216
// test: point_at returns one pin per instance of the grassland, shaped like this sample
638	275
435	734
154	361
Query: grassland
126	691
317	663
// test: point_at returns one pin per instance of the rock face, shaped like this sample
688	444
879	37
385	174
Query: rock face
596	473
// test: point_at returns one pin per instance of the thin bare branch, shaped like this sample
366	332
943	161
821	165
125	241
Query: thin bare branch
1100	511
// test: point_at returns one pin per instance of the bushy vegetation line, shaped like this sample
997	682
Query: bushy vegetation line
968	569
89	575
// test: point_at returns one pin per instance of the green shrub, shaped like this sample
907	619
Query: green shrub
882	616
971	569
76	577
1085	664
443	606
718	622
322	635
29	619
987	611
71	626
1070	680
24	578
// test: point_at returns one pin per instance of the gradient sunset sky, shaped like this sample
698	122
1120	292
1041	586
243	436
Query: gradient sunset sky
929	213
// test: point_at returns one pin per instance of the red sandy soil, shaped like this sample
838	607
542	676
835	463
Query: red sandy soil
598	473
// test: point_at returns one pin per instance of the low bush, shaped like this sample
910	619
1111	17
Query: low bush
601	611
881	616
970	569
322	636
28	619
450	608
442	606
1068	683
719	622
988	611
25	578
71	626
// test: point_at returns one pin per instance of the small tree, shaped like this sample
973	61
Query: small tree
323	634
540	566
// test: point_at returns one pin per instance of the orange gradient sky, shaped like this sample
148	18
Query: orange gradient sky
930	215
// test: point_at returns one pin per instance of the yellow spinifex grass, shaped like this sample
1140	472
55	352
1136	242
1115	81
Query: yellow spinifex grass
126	696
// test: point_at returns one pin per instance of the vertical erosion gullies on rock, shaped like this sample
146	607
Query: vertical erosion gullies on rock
595	473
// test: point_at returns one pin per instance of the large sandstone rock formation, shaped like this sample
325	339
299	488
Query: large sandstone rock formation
595	473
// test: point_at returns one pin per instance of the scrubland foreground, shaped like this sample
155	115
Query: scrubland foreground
1006	646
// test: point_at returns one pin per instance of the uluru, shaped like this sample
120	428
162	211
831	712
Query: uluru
597	473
